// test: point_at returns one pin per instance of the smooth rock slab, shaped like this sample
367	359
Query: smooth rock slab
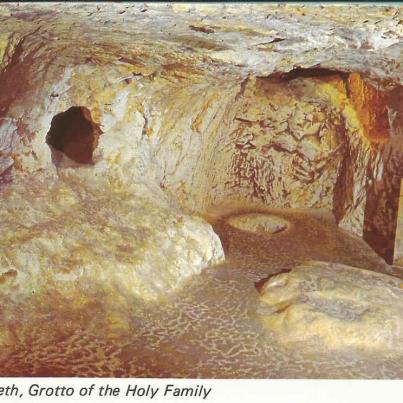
259	223
335	306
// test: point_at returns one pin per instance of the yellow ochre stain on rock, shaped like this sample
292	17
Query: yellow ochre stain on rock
371	108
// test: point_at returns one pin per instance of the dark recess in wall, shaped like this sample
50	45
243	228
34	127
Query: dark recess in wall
74	133
310	72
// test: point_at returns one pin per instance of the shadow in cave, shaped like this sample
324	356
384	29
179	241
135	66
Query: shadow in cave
310	72
383	195
75	134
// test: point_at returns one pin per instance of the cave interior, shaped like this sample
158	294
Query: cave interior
216	194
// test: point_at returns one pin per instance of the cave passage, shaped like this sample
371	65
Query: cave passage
74	133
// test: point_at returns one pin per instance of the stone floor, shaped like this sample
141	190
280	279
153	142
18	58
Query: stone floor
211	328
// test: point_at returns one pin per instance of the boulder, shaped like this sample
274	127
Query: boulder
334	306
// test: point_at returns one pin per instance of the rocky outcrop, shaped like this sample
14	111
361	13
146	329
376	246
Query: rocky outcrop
334	307
80	235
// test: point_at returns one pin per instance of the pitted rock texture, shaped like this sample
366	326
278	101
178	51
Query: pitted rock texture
209	328
334	307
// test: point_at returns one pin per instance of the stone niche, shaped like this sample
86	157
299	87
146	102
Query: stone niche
315	138
75	134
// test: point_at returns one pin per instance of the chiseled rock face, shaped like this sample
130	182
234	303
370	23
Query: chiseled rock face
383	194
334	306
300	143
79	235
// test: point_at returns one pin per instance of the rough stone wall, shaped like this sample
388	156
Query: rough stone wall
204	109
383	193
398	255
291	144
283	147
298	143
60	236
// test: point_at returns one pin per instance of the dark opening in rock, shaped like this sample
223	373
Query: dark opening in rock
310	72
75	134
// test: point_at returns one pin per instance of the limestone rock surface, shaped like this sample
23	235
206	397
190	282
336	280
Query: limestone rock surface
289	105
334	306
196	104
180	109
82	237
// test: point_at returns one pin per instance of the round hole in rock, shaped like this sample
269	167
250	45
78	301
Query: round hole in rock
74	133
261	223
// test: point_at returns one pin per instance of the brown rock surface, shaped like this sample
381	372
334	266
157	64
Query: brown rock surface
398	256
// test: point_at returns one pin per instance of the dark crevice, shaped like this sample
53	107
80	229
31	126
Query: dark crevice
75	134
310	72
381	210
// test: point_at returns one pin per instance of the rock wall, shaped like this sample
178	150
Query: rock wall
107	228
383	192
298	143
398	255
206	110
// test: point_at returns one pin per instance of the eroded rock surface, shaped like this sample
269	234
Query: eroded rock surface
289	105
209	328
335	306
82	236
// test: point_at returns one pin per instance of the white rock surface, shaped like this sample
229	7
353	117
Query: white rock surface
335	307
80	234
